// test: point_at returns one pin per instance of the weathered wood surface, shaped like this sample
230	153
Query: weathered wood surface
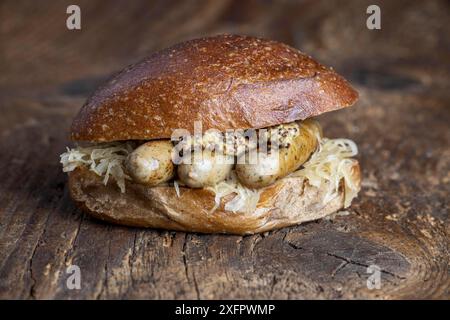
401	124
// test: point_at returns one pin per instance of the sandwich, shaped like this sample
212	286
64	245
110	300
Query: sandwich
214	135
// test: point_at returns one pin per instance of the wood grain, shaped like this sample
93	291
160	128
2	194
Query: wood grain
401	124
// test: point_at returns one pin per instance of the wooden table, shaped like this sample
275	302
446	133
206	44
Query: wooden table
401	124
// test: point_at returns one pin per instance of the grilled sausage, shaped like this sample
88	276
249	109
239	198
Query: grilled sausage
151	163
208	170
271	166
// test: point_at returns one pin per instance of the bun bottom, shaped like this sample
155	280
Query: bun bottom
289	201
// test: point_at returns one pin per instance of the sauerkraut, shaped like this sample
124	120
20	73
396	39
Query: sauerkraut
330	164
177	188
245	199
105	159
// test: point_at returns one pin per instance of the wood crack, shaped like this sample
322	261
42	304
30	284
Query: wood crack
351	261
74	240
32	291
186	266
131	259
345	260
104	286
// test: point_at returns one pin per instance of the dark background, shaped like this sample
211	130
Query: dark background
401	125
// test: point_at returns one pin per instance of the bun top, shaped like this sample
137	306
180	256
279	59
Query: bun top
226	82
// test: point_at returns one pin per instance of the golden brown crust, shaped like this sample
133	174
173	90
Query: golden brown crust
226	82
288	201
